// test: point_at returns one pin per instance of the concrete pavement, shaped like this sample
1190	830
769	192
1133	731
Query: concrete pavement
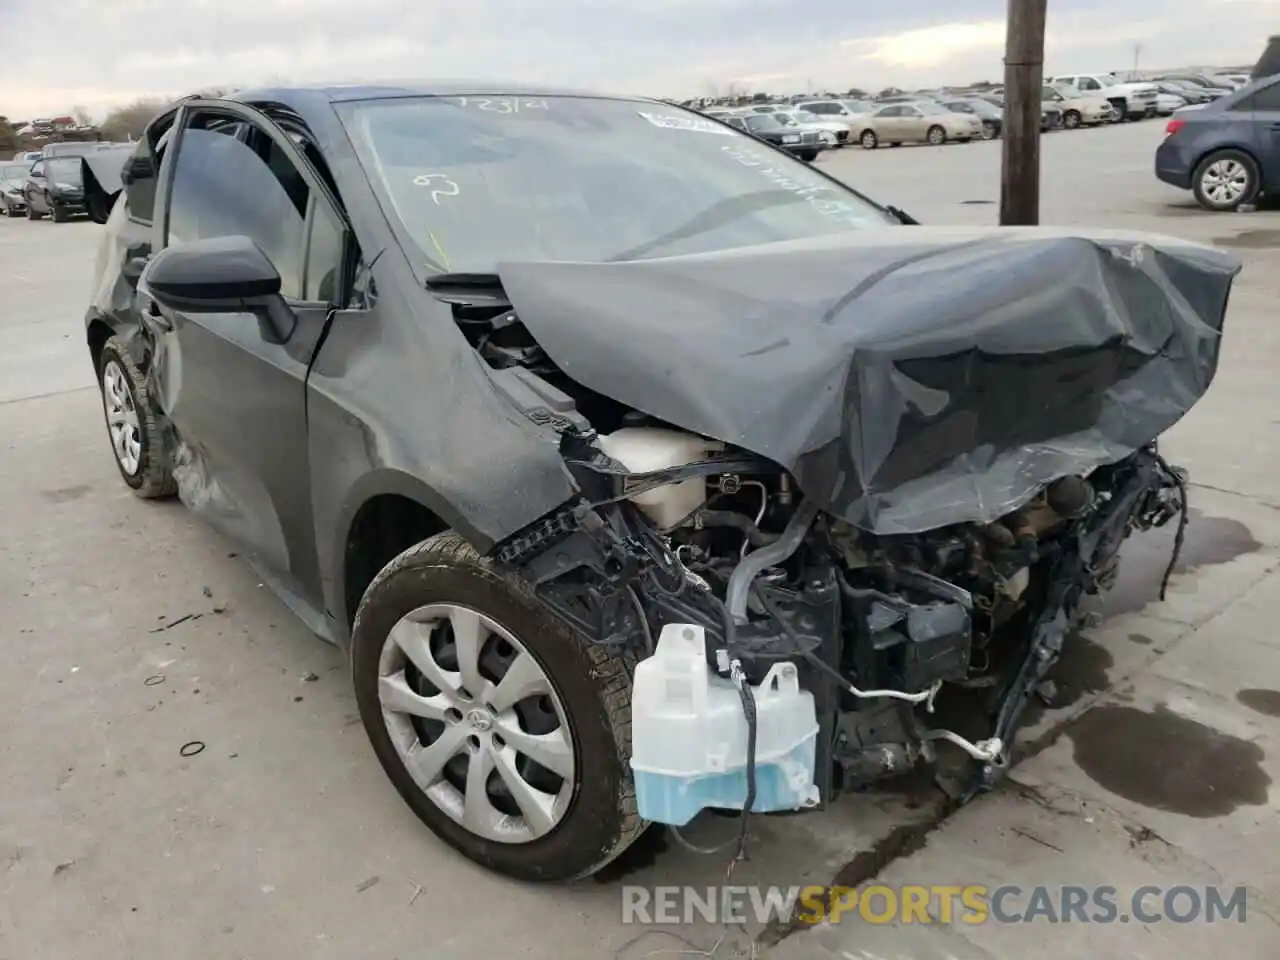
132	630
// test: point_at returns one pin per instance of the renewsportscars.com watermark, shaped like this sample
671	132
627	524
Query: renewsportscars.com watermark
940	904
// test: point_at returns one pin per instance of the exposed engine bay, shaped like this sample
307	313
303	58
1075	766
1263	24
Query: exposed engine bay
673	528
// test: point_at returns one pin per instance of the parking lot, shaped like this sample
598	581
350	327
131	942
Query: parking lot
131	630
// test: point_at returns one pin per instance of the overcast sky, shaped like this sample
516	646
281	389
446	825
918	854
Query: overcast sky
96	53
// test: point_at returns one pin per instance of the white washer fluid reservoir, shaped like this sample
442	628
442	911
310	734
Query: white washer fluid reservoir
642	449
689	735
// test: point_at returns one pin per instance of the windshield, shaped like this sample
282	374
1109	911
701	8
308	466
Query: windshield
63	169
760	122
14	171
788	120
472	182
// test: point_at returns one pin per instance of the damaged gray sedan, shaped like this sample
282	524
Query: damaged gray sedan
641	468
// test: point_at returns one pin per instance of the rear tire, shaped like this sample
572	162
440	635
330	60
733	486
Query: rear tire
1226	180
592	687
126	394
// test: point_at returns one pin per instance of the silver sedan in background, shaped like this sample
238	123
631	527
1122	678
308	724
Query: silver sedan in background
922	121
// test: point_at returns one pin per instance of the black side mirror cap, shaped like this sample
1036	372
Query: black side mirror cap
211	274
137	168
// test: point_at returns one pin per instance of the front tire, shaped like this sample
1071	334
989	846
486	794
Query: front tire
136	439
1071	119
869	140
457	731
809	156
57	212
989	131
936	136
1225	181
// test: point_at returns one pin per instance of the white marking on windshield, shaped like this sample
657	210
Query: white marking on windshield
670	121
443	186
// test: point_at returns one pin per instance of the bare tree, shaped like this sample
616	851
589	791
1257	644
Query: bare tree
129	121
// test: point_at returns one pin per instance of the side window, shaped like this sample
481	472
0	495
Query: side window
1088	83
140	195
1268	98
229	182
324	257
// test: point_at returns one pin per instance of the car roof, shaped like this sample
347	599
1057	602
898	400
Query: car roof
350	92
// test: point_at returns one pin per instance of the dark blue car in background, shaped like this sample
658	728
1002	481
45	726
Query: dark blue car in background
1227	152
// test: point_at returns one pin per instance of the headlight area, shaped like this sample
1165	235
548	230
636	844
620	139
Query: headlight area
787	655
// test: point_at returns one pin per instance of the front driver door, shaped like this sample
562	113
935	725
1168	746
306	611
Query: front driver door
233	383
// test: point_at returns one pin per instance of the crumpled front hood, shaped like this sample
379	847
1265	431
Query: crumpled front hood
907	378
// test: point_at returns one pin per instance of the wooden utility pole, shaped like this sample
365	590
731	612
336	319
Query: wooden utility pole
1023	79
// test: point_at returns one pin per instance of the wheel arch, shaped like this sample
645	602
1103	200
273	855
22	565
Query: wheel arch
387	512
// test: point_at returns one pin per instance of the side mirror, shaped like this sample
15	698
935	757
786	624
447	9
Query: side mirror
137	168
212	274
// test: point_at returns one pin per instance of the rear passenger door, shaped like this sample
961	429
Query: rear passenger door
233	383
1264	104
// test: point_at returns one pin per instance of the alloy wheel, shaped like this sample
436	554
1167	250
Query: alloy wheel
477	723
1224	182
122	417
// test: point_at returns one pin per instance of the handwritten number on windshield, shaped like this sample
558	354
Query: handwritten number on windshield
441	185
501	104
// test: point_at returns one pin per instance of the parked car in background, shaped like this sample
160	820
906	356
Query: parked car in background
850	111
1236	80
13	177
1079	109
1226	153
55	188
1050	116
835	132
1132	100
920	122
991	116
1190	92
1168	103
1200	81
805	144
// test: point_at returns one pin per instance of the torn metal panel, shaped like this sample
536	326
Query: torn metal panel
908	379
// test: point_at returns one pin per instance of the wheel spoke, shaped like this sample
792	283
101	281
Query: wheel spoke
395	694
524	678
536	807
478	813
415	640
551	750
469	634
426	762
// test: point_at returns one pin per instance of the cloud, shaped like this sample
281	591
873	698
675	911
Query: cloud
109	53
